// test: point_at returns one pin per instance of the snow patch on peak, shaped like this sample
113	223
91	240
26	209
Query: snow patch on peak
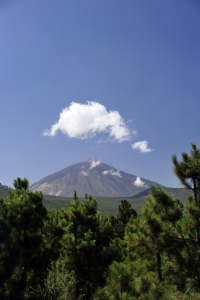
94	164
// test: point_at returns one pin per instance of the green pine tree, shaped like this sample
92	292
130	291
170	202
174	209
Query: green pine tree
25	214
9	253
188	172
152	246
87	245
125	212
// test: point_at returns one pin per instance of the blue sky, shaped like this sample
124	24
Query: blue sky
128	72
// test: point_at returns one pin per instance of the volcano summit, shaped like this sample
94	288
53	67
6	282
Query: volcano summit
92	177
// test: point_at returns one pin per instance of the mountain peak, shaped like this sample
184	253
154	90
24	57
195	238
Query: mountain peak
91	159
93	177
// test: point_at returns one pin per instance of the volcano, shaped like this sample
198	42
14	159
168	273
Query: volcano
94	178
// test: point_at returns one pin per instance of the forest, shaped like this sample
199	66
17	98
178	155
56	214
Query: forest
76	253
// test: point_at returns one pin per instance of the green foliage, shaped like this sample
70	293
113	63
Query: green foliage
21	184
188	172
152	236
119	282
106	205
86	244
180	296
125	212
4	191
125	256
59	285
109	205
22	218
9	253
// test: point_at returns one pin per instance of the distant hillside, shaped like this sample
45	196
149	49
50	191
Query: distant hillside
4	190
92	177
109	205
176	193
106	205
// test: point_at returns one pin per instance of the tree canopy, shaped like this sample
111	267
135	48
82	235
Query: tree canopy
77	254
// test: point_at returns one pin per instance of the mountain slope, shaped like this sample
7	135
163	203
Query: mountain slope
4	191
176	193
92	177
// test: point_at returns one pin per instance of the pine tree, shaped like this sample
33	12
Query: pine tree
52	234
24	213
152	245
162	213
125	212
188	172
86	244
59	285
9	252
118	284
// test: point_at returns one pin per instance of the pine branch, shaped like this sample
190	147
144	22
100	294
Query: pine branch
189	289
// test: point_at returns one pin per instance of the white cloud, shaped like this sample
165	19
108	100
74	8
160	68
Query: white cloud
94	163
82	167
85	120
117	173
84	173
138	182
142	146
107	172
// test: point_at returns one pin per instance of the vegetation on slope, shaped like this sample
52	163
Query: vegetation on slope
75	253
4	191
107	205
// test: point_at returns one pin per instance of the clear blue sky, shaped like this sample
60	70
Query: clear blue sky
136	62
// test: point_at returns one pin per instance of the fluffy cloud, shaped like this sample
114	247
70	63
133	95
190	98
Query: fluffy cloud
117	173
94	164
138	182
107	172
85	120
142	146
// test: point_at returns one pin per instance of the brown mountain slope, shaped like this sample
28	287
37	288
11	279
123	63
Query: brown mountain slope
92	177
